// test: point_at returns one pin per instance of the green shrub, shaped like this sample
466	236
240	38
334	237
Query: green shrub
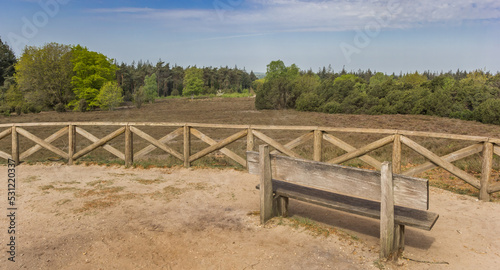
488	112
308	102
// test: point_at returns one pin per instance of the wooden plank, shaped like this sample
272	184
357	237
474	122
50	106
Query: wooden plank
15	145
441	162
443	136
346	147
457	155
225	151
266	190
487	166
221	144
282	206
71	143
155	142
5	133
5	155
296	142
187	146
98	143
48	140
129	147
409	191
150	148
318	148
386	211
396	154
42	143
363	150
496	150
494	188
420	219
94	139
250	140
275	144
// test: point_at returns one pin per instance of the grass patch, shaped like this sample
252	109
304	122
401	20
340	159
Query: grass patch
104	202
98	192
100	183
46	187
168	193
148	182
30	179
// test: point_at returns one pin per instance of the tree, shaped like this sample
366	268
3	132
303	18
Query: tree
193	82
110	96
44	75
277	89
91	71
150	88
7	61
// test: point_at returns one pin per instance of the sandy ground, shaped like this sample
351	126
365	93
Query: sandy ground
90	217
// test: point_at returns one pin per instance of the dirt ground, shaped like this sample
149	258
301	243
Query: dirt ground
91	217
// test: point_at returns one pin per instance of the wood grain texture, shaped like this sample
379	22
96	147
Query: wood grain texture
5	133
129	147
15	145
318	145
363	150
48	140
409	191
71	143
386	211
275	144
156	143
99	143
349	148
219	145
416	218
187	146
266	190
487	166
94	139
232	155
457	155
42	143
250	140
441	162
296	142
150	148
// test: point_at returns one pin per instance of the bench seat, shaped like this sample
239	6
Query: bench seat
420	219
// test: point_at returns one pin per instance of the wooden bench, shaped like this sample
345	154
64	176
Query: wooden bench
396	200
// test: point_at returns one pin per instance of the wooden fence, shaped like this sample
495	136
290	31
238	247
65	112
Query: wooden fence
319	135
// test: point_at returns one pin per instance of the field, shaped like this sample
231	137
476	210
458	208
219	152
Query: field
109	217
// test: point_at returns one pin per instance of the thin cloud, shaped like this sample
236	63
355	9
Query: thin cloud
258	16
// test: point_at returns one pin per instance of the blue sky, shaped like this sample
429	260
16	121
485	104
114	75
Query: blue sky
383	35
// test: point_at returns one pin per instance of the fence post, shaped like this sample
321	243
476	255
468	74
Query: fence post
187	145
386	212
318	145
266	185
487	164
129	147
71	143
399	230
15	145
250	140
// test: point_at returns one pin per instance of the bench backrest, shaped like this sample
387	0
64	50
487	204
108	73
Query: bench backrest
409	192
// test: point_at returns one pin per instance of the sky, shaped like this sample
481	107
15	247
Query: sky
382	35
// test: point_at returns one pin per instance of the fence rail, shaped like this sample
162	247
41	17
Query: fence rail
319	135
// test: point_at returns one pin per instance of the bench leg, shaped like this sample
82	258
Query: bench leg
399	240
282	206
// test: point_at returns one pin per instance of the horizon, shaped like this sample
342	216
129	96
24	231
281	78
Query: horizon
383	36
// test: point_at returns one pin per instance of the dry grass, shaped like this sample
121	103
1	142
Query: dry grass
242	111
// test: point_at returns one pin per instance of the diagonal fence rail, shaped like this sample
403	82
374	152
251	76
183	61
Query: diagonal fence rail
321	137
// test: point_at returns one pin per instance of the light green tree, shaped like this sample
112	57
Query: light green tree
43	75
150	88
91	71
193	82
110	96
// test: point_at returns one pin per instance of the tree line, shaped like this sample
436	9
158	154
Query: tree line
465	95
63	77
